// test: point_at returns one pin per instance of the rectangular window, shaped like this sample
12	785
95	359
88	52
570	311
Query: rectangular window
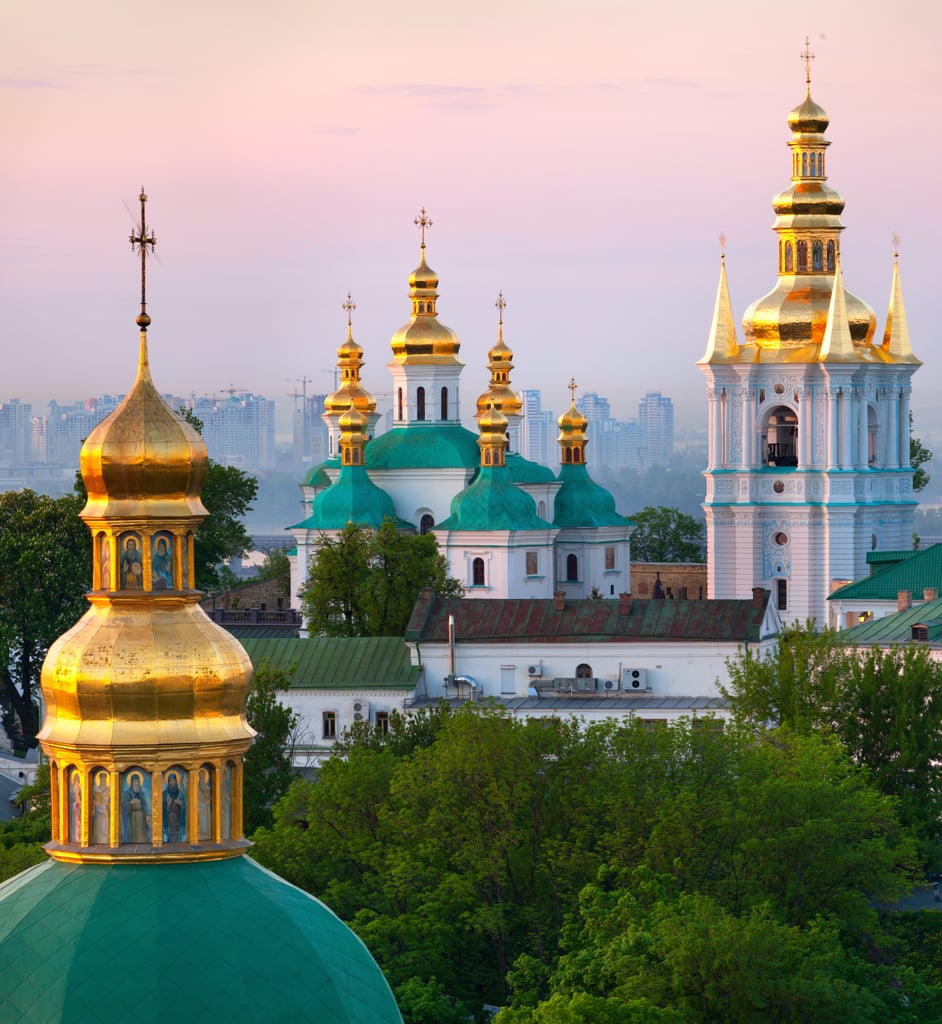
508	684
609	558
381	721
533	565
330	725
781	595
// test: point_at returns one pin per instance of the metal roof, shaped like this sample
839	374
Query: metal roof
332	663
587	619
897	628
922	569
609	703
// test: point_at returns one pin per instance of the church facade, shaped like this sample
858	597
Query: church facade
809	418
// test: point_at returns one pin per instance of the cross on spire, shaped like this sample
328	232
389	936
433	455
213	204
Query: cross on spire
501	305
895	244
807	56
142	243
723	245
349	306
423	221
573	386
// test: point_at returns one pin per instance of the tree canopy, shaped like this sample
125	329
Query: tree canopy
666	535
45	572
365	582
919	455
610	872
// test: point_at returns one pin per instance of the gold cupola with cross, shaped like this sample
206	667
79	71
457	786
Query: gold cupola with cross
572	431
500	361
145	728
350	394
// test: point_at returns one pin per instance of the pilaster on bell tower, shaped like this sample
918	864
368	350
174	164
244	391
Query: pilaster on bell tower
808	465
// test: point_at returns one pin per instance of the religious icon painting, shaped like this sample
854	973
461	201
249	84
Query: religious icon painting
75	805
226	795
101	807
132	569
204	799
161	561
174	805
185	559
104	560
136	814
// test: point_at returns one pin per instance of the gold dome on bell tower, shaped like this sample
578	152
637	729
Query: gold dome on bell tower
500	361
145	727
351	394
789	323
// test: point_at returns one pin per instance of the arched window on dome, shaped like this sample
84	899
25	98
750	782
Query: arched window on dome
477	572
567	455
225	799
820	165
487	456
830	257
802	256
577	455
804	164
541	509
817	256
426	523
420	403
444	403
780	437
873	436
204	803
572	568
789	258
399	404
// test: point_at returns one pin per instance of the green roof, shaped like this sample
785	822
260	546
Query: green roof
493	502
351	498
523	471
583	502
922	569
316	475
424	446
150	943
897	628
381	662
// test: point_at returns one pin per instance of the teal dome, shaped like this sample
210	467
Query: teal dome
204	941
316	476
523	471
424	446
492	502
583	502
352	498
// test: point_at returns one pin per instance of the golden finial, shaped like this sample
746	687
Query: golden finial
807	57
143	242
501	305
895	245
572	390
349	306
723	246
423	221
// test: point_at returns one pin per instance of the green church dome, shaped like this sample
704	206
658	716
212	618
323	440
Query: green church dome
201	941
317	476
352	498
523	471
424	446
492	502
583	502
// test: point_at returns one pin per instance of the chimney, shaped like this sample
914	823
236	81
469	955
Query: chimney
930	593
559	600
681	593
758	597
624	604
904	600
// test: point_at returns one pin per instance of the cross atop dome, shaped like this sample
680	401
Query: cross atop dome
143	242
422	222
807	56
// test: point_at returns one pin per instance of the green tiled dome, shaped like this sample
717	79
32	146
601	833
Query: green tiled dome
424	446
523	471
492	502
316	476
583	502
352	498
156	943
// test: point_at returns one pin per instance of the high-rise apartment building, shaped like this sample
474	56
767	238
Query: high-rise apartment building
656	417
239	430
537	430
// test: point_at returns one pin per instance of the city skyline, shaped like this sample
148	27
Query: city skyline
286	157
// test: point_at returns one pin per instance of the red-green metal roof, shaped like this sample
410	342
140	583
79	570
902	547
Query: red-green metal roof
588	619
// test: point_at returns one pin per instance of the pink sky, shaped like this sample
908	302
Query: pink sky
583	158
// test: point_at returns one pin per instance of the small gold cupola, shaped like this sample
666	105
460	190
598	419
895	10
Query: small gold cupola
572	431
500	361
351	393
492	424
145	728
424	340
352	437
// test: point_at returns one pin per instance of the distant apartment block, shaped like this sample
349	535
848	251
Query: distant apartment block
656	416
239	430
537	430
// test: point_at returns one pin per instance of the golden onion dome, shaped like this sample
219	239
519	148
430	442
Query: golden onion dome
500	361
352	424
351	394
572	423
424	339
143	459
492	424
808	118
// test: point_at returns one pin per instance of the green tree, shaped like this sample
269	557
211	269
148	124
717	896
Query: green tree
45	572
267	770
277	567
22	837
365	582
666	535
919	455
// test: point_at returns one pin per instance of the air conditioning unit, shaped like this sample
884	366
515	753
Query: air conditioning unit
611	684
534	671
590	684
361	711
635	678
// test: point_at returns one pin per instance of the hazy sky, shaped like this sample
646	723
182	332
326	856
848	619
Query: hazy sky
582	157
